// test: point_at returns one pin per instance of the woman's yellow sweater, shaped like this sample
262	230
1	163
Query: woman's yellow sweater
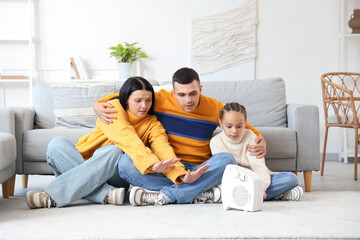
133	134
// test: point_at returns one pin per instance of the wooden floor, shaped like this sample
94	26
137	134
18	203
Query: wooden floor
338	176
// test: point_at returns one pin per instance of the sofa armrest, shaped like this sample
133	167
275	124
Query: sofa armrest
304	119
7	120
7	158
24	121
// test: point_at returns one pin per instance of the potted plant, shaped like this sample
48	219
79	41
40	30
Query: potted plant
126	54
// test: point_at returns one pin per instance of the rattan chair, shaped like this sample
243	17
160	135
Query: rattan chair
341	98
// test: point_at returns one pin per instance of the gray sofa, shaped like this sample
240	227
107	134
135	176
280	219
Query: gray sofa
291	130
7	151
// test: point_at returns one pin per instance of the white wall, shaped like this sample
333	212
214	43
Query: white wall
88	27
297	40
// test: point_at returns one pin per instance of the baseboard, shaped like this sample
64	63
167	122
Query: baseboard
331	156
335	157
350	160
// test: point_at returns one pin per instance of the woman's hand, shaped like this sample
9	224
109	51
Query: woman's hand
191	177
103	111
258	149
164	165
265	195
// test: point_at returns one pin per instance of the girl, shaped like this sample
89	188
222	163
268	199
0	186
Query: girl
89	168
235	138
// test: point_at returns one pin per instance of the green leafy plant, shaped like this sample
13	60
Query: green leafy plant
127	52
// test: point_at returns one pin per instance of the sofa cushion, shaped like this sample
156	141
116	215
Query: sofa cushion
167	87
73	103
35	141
280	142
264	100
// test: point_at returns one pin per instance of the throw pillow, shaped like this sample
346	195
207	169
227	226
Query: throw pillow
73	103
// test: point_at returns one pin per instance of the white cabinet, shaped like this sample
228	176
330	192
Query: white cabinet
349	61
17	50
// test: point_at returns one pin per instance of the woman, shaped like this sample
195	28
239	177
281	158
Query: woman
89	168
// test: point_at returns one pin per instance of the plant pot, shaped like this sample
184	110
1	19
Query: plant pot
124	69
354	22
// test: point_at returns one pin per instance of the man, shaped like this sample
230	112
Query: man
190	119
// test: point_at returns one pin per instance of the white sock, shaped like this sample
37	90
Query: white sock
162	199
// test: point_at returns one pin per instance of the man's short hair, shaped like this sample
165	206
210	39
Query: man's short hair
185	76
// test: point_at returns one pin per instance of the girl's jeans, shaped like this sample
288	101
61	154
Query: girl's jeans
183	193
76	178
280	183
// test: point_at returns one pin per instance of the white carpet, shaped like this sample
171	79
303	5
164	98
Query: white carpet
319	215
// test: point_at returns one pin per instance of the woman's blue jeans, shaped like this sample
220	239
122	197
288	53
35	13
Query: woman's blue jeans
76	178
183	193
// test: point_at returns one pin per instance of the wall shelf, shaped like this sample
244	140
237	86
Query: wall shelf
95	80
25	38
14	38
350	35
346	7
14	80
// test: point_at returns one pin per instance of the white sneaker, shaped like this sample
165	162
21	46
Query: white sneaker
294	194
141	197
39	200
212	195
116	196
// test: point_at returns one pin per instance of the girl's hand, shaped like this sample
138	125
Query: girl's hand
265	195
164	165
103	111
191	177
259	148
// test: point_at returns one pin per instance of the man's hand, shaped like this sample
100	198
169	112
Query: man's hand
103	111
191	177
164	165
259	149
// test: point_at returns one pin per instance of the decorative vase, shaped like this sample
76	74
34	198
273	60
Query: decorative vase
354	22
124	69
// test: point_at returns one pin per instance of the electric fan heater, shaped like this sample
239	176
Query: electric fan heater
241	189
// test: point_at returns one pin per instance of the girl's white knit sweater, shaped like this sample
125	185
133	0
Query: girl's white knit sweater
221	143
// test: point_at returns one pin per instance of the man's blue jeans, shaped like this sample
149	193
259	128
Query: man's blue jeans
76	178
280	183
183	193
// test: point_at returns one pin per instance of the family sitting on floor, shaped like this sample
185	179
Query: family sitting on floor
161	143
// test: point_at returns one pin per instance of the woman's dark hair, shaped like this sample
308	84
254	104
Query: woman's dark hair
233	106
133	84
185	76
